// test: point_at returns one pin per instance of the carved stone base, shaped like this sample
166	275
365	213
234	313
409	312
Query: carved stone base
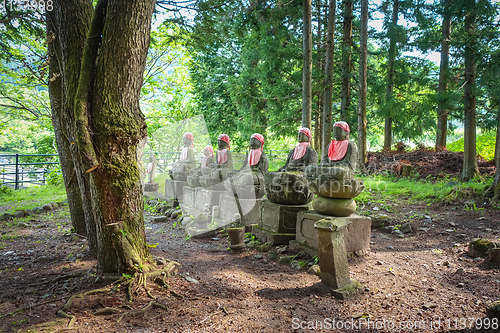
250	209
272	238
174	189
280	218
356	236
207	198
151	187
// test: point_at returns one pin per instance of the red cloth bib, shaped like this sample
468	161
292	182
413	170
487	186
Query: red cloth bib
300	150
337	150
222	156
254	156
184	153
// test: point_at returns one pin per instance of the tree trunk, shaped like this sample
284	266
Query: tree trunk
327	94
443	105
58	122
307	69
108	123
318	123
390	77
470	168
494	189
497	141
363	74
346	61
70	22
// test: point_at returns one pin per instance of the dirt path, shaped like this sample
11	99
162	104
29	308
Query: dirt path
422	279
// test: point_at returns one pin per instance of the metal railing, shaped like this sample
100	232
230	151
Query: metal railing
16	172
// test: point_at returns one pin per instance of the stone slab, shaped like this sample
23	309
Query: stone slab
280	218
250	209
189	195
206	197
356	236
174	189
273	238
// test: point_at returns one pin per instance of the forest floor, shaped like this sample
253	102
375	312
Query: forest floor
423	282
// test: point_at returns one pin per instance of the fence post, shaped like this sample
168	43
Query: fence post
17	172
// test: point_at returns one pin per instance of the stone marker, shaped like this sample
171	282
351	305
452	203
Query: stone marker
333	257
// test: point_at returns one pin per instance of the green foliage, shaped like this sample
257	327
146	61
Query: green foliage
55	177
31	197
485	145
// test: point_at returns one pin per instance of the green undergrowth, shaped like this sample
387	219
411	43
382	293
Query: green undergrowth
485	145
31	197
382	188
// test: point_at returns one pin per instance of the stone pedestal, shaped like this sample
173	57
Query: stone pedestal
333	256
174	190
356	236
207	198
277	222
250	212
151	187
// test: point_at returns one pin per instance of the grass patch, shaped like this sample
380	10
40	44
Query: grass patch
485	145
380	189
31	197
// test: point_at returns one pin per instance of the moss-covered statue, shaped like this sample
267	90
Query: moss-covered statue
180	169
248	182
334	176
206	161
214	174
288	186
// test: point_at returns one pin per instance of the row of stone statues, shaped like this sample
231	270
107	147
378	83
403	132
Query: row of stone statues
293	184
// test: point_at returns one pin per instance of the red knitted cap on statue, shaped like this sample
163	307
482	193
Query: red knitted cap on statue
189	136
306	131
210	149
224	137
258	137
343	125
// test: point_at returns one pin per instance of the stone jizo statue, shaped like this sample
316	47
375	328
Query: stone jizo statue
333	180
289	186
302	155
214	174
247	184
151	170
180	169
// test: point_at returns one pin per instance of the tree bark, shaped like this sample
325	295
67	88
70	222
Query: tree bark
318	123
345	98
327	94
497	141
104	87
390	77
71	21
443	105
75	203
470	168
307	63
363	75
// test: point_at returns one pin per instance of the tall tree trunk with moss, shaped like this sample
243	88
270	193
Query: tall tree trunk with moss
65	57
470	168
390	76
328	89
494	189
307	65
443	105
345	94
363	75
318	123
108	123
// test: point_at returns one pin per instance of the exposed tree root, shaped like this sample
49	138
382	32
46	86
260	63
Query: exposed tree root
31	306
133	283
142	311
